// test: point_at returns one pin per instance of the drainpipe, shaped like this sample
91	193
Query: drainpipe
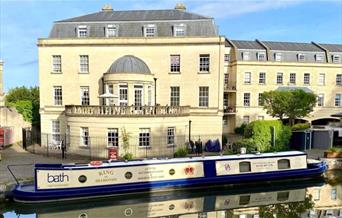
155	91
103	91
190	130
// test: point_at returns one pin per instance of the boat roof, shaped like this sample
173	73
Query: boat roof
187	159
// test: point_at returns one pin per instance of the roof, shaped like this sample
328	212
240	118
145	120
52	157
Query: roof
292	46
245	44
129	64
136	15
332	47
289	88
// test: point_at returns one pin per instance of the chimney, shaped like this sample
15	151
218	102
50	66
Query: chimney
180	7
107	8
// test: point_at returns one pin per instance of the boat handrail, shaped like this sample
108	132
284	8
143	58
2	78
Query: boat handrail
16	165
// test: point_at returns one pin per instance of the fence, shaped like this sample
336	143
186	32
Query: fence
141	146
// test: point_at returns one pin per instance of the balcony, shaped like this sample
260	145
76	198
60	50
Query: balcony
228	110
229	88
126	111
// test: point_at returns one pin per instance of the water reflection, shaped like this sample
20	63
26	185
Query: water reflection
309	199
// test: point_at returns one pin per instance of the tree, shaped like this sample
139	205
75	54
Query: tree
26	101
291	104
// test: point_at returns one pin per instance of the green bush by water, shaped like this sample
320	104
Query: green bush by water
181	152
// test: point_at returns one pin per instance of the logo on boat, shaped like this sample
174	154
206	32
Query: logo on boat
189	170
57	178
227	167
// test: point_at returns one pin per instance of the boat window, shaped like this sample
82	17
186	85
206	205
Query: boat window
82	178
283	196
284	164
128	175
244	199
245	166
171	172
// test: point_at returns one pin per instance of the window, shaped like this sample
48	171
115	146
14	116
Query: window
278	56
57	95
203	96
261	56
248	78
123	95
279	78
244	200
245	119
84	95
174	95
149	95
261	117
175	63
84	136
226	57
321	79
245	166
301	57
336	59
144	137
320	100
110	101
204	63
150	30
56	131
283	196
56	63
260	103
179	30
284	164
138	96
306	78
333	194
319	58
111	31
171	136
338	100
84	64
113	137
292	78
245	56
317	195
82	31
246	99
226	78
339	79
262	78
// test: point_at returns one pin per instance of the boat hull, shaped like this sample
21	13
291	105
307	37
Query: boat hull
28	194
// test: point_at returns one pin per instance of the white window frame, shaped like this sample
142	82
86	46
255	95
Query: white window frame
138	105
292	78
112	137
84	137
259	100
148	30
149	95
262	78
57	95
110	29
203	100
84	95
246	119
261	56
123	94
278	56
82	31
246	99
226	57
321	79
245	56
320	100
56	131
144	137
56	63
338	97
280	78
84	64
171	131
175	66
110	89
336	58
306	80
174	96
301	57
319	57
179	30
339	79
204	63
247	78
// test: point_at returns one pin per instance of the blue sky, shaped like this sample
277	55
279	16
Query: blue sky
23	22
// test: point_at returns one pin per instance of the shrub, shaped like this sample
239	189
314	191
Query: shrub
229	152
301	126
249	144
261	132
128	156
241	129
181	152
24	108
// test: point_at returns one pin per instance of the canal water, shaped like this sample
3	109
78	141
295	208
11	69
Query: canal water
315	198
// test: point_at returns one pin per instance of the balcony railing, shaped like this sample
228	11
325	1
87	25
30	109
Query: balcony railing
229	88
229	110
131	111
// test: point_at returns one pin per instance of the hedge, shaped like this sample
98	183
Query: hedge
300	126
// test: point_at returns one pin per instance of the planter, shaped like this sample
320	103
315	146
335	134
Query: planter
332	154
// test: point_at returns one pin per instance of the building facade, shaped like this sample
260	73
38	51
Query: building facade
164	76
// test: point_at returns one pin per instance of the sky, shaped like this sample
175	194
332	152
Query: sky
22	22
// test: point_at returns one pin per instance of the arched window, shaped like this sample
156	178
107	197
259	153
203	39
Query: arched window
245	166
284	164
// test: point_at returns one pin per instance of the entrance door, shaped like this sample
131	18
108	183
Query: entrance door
138	97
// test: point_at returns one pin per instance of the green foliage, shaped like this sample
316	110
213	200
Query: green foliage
301	126
247	143
128	156
292	104
261	134
15	98
241	129
125	140
224	140
181	152
334	149
24	108
229	152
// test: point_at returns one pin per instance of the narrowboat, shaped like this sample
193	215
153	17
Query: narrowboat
59	182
